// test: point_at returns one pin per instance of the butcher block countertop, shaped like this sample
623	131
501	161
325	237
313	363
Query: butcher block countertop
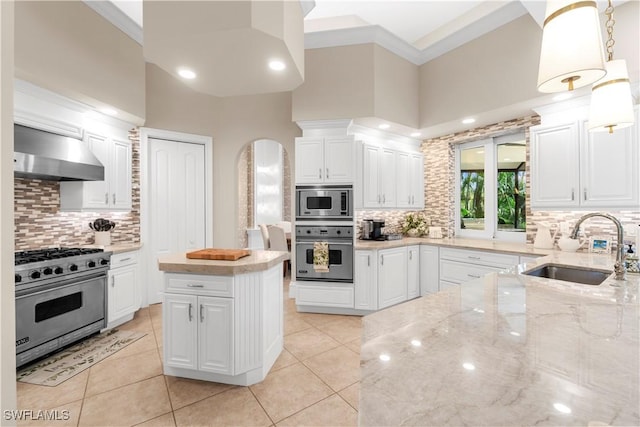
257	260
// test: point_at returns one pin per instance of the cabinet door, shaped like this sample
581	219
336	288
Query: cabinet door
429	269
404	188
392	276
180	330
309	160
416	180
120	175
122	295
365	281
413	272
371	197
96	193
554	166
338	160
215	335
387	178
609	169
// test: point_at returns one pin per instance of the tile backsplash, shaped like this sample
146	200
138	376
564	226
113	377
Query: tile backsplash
39	223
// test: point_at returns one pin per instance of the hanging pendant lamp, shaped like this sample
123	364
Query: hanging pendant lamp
571	54
611	103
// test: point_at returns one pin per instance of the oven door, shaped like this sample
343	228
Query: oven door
323	204
340	261
48	314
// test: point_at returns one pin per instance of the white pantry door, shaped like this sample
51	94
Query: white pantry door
176	204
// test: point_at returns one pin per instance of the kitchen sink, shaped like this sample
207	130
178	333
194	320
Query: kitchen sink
570	274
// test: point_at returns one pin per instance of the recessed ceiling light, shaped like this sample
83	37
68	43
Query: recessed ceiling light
562	96
109	111
384	126
415	134
186	73
277	65
468	121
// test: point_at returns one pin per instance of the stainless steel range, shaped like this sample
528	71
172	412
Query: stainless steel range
60	298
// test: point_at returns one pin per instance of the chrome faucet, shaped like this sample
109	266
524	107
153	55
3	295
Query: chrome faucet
618	267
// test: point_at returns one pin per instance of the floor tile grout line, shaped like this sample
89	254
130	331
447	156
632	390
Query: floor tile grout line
260	403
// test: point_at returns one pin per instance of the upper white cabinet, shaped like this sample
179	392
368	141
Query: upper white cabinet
324	160
114	193
574	168
410	181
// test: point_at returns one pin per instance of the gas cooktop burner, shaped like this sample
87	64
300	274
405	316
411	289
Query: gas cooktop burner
26	257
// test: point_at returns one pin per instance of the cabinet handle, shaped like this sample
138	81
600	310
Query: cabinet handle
585	194
410	255
572	195
113	281
327	173
125	259
191	285
106	198
384	199
413	200
409	201
319	173
475	276
378	199
201	313
381	259
473	257
190	312
114	198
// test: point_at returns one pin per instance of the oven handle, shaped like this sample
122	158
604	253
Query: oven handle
331	242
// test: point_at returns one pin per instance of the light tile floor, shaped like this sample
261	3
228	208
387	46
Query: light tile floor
315	381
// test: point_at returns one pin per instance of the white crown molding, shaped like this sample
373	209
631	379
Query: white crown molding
117	17
383	137
307	6
307	125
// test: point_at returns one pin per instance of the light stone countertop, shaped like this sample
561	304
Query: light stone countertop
507	349
257	260
118	248
456	242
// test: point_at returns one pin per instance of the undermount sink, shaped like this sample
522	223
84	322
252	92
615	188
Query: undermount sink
569	274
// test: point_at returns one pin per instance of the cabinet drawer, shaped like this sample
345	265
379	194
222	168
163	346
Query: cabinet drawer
219	286
458	272
124	259
491	259
325	296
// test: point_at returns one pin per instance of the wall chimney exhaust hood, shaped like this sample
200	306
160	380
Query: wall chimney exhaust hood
44	155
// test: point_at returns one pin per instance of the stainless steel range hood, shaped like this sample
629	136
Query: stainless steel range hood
44	155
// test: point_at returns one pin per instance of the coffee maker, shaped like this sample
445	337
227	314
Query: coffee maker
372	229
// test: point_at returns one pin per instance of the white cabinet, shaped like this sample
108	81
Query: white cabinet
410	182
114	193
123	294
574	168
365	280
429	269
413	271
379	177
324	160
180	332
460	265
392	276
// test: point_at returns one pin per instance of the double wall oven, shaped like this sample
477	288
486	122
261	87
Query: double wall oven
60	298
324	214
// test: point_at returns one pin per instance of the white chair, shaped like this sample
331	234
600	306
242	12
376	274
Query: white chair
265	235
285	225
278	242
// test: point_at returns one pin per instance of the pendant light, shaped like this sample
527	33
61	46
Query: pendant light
611	103
571	54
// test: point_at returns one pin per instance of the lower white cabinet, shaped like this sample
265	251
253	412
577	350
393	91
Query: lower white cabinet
392	276
413	271
201	333
366	280
429	269
462	265
123	295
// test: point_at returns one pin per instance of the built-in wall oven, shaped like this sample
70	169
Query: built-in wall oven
60	298
340	242
326	202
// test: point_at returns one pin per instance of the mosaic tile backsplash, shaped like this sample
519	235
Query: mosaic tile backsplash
39	223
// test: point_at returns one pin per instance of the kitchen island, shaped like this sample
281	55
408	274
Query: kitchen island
222	320
507	349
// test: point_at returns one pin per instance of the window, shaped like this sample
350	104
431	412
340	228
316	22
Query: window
498	210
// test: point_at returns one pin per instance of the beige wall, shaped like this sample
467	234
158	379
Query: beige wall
626	33
7	297
68	48
493	71
232	122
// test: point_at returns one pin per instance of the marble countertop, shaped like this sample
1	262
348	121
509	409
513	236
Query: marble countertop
456	242
507	349
257	260
118	248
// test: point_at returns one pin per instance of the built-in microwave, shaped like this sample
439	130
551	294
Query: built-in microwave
324	202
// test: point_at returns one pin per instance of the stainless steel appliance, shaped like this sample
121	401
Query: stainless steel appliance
372	229
327	202
60	298
340	240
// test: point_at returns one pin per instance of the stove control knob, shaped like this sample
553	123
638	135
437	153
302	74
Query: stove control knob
73	267
308	231
58	270
338	232
47	271
35	274
91	264
18	278
104	261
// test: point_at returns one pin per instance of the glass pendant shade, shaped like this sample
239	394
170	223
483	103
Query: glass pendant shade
571	55
611	103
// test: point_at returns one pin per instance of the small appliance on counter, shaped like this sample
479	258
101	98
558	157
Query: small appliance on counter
372	229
